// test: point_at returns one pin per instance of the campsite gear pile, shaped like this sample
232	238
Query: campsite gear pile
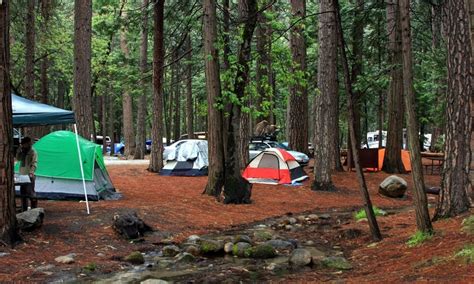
274	166
58	175
187	159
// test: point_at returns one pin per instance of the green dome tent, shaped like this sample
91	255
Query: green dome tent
58	175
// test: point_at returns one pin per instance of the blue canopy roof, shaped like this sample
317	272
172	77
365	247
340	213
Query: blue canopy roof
31	113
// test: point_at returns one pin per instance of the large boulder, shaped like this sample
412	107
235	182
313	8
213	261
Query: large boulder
130	226
31	219
393	186
211	246
261	251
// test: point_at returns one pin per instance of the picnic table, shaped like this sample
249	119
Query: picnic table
435	160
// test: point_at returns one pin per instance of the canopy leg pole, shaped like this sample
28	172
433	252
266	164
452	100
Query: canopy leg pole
82	169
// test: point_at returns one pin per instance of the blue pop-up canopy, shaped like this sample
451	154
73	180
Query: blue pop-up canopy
31	113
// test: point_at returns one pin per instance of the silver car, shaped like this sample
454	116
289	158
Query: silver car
255	147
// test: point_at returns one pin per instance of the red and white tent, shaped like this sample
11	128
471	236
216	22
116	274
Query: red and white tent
274	166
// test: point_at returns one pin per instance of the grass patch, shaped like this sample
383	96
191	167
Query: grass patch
418	238
468	225
90	267
361	213
467	253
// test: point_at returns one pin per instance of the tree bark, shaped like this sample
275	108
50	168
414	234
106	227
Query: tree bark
127	99
215	180
156	159
103	122
236	188
175	84
189	88
423	222
8	230
82	67
30	50
393	159
374	228
456	185
111	123
327	82
140	137
297	120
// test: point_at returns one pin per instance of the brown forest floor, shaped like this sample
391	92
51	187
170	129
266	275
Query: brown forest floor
176	206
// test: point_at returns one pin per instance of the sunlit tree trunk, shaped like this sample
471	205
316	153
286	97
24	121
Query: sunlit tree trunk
423	222
8	231
327	83
215	180
393	159
82	67
456	185
140	136
156	158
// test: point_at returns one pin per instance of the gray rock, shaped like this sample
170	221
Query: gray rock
185	258
192	250
242	239
44	268
301	218
239	249
100	254
31	219
154	281
66	259
171	250
228	247
313	217
292	220
3	254
280	244
210	246
288	227
315	254
130	226
163	263
309	243
300	257
193	239
393	186
336	262
324	216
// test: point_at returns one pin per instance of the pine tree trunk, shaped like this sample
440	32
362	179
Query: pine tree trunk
30	50
103	122
175	84
297	120
156	158
168	109
8	231
140	137
327	83
236	188
374	227
111	123
393	159
456	185
82	67
423	222
127	100
189	89
215	180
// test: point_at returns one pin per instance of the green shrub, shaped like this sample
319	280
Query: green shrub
468	225
361	213
418	238
467	253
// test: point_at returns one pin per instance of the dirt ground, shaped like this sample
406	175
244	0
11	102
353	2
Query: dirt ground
175	207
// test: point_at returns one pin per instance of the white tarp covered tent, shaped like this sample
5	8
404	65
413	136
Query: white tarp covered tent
188	158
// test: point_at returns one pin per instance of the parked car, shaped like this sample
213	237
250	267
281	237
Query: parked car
255	147
310	147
